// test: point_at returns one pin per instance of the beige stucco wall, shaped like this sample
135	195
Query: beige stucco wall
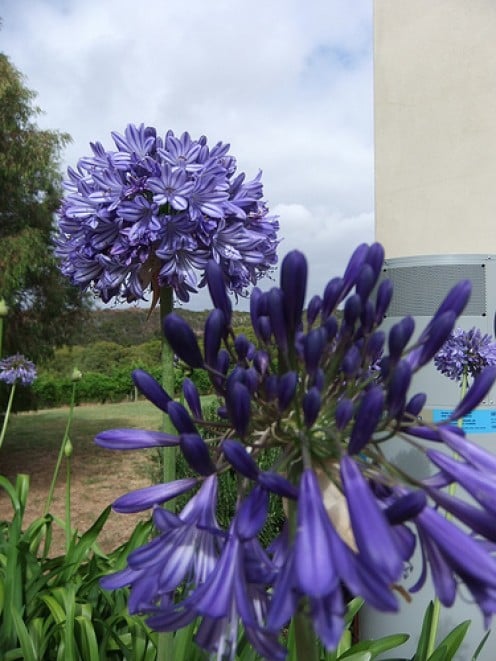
435	126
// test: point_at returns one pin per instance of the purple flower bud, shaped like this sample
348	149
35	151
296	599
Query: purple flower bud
318	379
242	346
375	257
261	362
221	367
384	296
314	343
456	299
238	402
192	397
375	345
367	418
294	271
313	309
351	361
134	439
217	288
215	330
399	336
354	266
223	361
252	514
332	296
344	413
352	310
151	389
252	380
276	483
255	297
416	404
433	340
180	418
277	321
286	389
311	406
367	317
222	412
365	281
196	453
481	385
406	507
263	328
331	326
398	385
240	459
182	340
142	499
271	385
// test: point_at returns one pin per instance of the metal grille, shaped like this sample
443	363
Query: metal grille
418	290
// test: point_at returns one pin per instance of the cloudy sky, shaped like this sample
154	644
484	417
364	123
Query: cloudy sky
288	83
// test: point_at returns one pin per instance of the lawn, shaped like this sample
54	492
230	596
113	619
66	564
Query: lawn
45	429
98	476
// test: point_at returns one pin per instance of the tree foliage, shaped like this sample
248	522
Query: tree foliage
43	307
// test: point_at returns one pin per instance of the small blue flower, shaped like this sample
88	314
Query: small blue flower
17	369
465	352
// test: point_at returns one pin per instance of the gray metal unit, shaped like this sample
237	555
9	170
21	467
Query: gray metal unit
420	284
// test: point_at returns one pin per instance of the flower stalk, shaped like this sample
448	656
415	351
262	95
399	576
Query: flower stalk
168	455
62	450
7	413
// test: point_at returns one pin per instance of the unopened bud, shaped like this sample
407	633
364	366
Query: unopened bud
77	375
68	448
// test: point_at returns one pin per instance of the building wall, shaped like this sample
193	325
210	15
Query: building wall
435	126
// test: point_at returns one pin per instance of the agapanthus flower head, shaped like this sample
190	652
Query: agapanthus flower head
17	369
319	394
465	353
154	210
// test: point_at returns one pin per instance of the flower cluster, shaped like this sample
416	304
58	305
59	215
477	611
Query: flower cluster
17	369
154	211
309	391
465	353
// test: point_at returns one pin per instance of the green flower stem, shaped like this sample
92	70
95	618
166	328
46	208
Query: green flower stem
7	414
68	527
165	647
436	611
168	454
305	639
1	334
61	450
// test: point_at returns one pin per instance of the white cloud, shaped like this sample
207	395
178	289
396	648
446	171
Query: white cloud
288	84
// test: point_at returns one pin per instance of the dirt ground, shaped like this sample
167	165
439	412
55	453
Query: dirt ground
98	478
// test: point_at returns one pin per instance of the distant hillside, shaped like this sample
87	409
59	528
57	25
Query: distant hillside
134	326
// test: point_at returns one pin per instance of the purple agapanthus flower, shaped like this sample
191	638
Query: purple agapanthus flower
465	353
17	369
151	213
321	391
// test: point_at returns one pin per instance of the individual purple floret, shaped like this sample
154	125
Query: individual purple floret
153	211
316	395
465	353
17	369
